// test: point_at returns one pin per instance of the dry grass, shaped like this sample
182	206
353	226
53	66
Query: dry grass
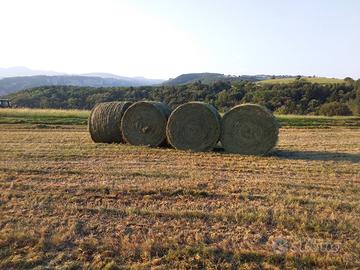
68	203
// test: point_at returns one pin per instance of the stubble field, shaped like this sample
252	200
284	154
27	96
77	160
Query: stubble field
67	203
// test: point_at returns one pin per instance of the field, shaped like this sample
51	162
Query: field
67	203
320	80
43	118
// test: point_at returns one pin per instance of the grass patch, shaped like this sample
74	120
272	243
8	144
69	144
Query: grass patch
43	116
321	80
318	121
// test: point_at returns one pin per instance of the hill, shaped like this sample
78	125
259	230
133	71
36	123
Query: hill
14	84
133	81
209	78
194	77
319	80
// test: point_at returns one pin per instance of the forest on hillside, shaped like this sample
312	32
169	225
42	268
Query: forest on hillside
299	97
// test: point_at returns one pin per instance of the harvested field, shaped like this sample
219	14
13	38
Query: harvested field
67	203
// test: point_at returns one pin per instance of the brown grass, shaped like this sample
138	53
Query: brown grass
67	202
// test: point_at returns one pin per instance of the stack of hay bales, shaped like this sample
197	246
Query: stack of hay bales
104	122
247	129
194	126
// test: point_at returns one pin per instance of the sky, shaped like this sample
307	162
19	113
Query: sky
163	39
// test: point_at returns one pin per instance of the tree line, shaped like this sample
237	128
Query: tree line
299	97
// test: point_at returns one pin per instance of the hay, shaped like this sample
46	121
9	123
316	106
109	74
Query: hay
249	129
144	123
104	122
194	126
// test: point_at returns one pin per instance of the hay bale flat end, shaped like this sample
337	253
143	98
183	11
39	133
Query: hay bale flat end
249	129
144	123
194	126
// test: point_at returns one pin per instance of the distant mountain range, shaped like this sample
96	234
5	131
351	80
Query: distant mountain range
20	78
15	84
24	71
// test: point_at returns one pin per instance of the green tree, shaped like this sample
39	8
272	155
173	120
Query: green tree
357	99
335	108
348	80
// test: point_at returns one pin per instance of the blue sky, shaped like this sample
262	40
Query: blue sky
162	39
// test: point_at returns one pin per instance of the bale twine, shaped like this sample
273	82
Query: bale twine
249	129
104	122
144	123
194	126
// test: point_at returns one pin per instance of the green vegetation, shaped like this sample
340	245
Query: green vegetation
311	121
43	116
79	117
334	108
300	97
194	77
319	80
209	78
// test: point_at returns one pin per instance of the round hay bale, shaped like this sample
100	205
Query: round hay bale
104	122
144	123
194	126
249	129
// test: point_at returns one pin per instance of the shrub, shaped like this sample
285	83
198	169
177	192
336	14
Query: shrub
334	108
